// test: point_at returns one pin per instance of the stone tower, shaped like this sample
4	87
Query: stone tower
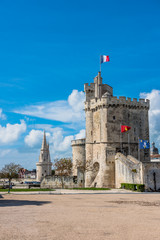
104	116
44	165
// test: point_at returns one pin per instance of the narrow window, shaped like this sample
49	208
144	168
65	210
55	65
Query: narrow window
114	117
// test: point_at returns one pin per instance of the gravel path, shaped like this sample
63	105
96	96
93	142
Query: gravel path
80	216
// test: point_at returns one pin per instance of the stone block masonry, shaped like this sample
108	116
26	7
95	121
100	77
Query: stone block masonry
105	114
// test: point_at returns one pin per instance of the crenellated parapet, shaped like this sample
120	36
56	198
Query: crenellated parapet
89	91
78	142
109	101
88	88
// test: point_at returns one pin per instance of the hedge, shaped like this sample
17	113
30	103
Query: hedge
133	187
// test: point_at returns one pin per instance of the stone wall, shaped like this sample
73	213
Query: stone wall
56	182
127	170
151	176
130	170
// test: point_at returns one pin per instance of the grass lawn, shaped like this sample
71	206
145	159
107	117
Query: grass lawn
92	188
27	190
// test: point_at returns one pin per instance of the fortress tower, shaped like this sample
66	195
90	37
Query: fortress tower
44	164
105	114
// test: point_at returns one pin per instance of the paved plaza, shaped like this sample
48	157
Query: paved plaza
124	216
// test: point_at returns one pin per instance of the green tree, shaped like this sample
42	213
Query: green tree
63	167
10	171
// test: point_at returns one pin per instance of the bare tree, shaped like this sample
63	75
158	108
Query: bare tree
10	171
63	167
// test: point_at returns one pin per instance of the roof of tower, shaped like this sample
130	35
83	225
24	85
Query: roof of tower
44	142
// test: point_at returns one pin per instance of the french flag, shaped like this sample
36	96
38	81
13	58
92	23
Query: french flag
104	58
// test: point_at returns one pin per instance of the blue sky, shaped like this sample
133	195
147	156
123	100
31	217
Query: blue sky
49	49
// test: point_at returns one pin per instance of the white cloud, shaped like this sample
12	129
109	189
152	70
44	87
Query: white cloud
154	114
76	100
81	134
11	132
34	138
60	145
2	115
46	127
69	111
65	144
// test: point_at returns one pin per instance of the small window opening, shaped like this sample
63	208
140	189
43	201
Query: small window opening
114	117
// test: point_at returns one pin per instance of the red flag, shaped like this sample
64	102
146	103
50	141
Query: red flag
107	59
125	128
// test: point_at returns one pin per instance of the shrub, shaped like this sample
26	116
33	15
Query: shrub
133	187
140	187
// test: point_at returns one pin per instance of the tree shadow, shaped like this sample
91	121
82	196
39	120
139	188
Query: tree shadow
19	203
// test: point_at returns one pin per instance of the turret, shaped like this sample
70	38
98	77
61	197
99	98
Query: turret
44	164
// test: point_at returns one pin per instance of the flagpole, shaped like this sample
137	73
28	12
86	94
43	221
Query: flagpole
128	144
100	63
138	150
120	138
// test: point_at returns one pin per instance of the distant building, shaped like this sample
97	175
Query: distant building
44	165
25	174
154	150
